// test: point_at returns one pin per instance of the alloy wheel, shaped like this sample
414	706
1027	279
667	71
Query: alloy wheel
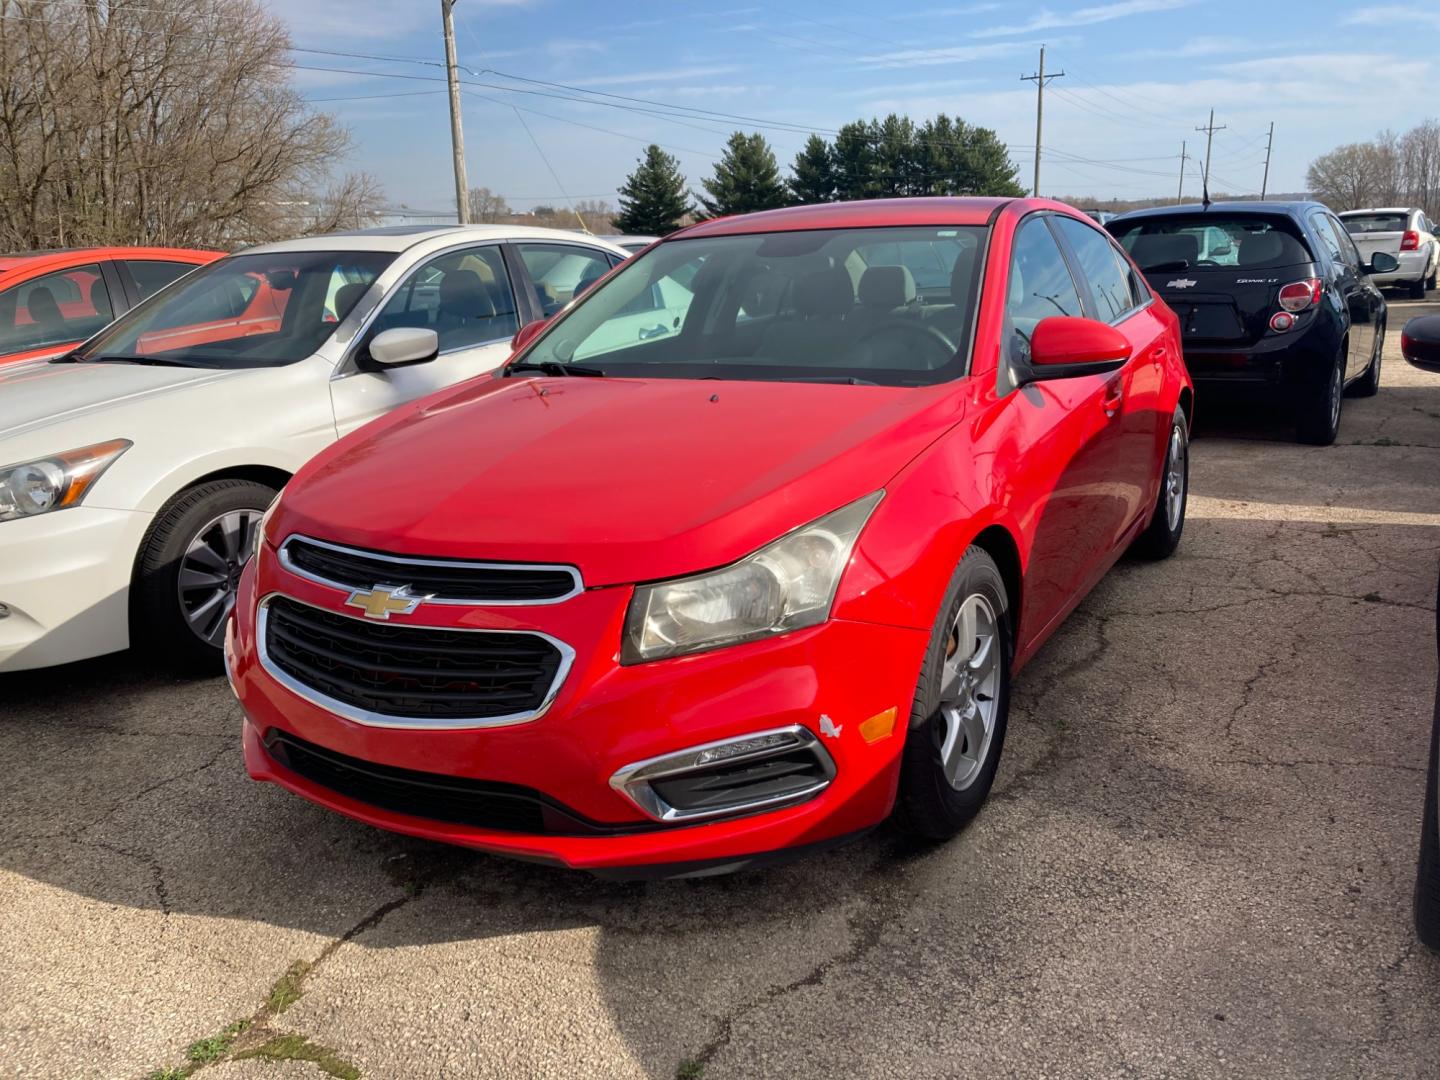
1175	478
1337	391
210	572
969	691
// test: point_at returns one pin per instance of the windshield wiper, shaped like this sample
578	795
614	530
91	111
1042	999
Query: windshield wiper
554	367
151	361
849	380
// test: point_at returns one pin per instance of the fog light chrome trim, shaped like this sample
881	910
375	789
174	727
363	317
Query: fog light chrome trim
634	781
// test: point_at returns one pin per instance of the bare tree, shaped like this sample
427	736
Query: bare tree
127	121
486	206
1345	177
1390	170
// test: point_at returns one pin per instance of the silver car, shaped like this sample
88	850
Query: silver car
1404	232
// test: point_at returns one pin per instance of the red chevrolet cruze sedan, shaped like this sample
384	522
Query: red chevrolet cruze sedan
738	554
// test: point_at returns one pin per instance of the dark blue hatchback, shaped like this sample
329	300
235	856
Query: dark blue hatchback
1270	295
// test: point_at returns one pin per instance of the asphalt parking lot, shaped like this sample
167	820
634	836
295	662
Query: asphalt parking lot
1197	860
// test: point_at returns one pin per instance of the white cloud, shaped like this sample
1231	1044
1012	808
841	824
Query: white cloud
1049	20
664	75
1394	15
949	55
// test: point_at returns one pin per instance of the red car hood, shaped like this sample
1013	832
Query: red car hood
628	479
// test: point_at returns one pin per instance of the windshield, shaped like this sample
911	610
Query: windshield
887	306
1356	224
244	311
1214	241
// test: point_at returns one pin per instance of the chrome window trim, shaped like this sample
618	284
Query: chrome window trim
576	588
633	781
369	718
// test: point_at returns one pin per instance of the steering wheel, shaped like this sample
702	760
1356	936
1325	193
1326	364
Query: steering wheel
930	340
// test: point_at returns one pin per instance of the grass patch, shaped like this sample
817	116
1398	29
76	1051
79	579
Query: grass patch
286	990
299	1048
169	1074
689	1069
204	1051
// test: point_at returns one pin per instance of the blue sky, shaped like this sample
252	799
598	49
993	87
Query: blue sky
1140	76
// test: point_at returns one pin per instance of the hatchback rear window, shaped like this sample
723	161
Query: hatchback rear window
1214	241
1355	224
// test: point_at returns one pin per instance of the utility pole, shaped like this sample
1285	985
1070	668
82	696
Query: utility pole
1209	130
1183	158
1039	79
457	136
1265	183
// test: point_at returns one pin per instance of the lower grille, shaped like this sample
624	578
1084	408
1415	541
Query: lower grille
435	797
369	671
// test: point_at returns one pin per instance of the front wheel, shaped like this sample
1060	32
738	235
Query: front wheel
957	721
189	569
1319	420
1368	384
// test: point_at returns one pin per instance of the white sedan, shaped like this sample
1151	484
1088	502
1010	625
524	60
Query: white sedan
134	470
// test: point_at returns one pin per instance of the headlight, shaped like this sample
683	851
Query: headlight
257	536
785	585
55	483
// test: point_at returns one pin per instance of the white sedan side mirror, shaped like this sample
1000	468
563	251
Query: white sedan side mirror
404	345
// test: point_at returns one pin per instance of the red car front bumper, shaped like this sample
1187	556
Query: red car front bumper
607	716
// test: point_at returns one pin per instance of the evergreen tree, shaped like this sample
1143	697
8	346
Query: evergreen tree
897	158
653	199
746	179
814	173
854	159
988	166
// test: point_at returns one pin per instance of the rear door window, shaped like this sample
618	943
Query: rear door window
68	305
152	275
1101	267
1215	241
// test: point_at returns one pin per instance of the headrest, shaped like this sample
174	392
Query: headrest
462	293
962	274
1261	247
1157	249
825	292
42	306
347	296
887	286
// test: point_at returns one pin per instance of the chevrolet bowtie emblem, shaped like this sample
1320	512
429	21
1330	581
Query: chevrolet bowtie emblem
385	600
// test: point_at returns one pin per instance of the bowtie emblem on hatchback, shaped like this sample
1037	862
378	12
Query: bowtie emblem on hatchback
385	600
1181	283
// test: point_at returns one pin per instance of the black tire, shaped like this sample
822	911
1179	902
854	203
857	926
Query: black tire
1161	537
1430	281
1368	385
1427	873
1417	289
159	626
927	805
1319	418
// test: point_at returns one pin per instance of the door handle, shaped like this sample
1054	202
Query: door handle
1111	404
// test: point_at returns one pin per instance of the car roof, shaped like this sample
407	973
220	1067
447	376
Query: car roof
862	214
27	262
398	238
1295	209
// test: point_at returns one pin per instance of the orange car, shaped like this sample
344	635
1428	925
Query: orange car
51	301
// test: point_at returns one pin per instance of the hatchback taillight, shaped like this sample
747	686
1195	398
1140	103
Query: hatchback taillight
1410	241
1299	295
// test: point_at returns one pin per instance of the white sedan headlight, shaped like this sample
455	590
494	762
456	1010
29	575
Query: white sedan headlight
57	482
785	585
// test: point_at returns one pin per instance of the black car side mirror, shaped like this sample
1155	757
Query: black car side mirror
1382	262
1420	342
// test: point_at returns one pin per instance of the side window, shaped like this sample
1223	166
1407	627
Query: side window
1039	286
1109	281
152	275
562	272
1329	240
464	296
1348	251
65	306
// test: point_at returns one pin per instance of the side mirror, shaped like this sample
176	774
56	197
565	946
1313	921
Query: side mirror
526	334
404	345
1063	347
1420	342
1382	262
